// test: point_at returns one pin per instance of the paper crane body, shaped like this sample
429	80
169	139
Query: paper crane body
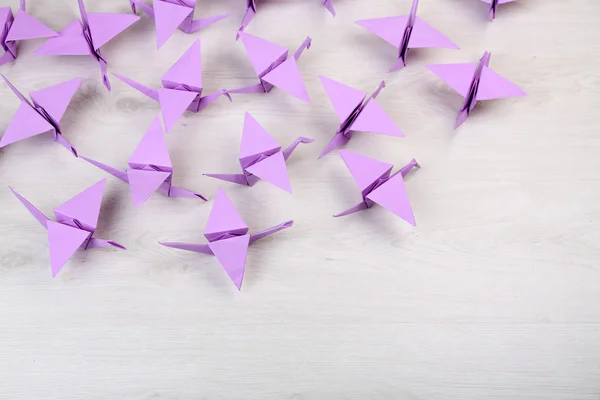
273	67
150	168
475	82
406	32
378	186
228	238
251	11
355	113
168	15
261	157
87	36
42	115
20	27
494	5
76	221
182	88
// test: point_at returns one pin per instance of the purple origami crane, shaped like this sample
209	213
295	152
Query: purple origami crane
182	87
85	37
356	113
44	115
169	15
261	157
406	32
251	11
76	221
475	82
228	238
494	5
378	186
273	67
150	168
22	27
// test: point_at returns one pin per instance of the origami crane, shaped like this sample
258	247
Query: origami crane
22	27
76	221
150	168
475	82
378	186
228	238
44	115
85	37
251	11
261	157
182	87
356	113
273	67
406	32
168	15
494	5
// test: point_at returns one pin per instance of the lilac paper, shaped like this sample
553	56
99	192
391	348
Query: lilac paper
182	87
261	157
475	82
228	238
150	168
378	186
76	221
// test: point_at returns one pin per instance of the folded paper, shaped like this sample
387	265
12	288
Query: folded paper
42	114
20	27
494	5
85	37
76	221
168	15
406	32
475	82
228	238
378	186
182	87
251	12
355	113
261	157
150	168
273	67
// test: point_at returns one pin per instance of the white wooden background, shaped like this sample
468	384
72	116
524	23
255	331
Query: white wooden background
494	295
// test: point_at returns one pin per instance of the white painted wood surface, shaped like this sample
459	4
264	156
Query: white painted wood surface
494	295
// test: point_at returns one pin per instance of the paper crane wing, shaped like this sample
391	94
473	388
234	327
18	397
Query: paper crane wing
493	86
55	99
85	207
255	139
187	70
143	183
26	27
261	52
365	170
287	77
27	122
273	170
63	240
224	218
104	27
231	253
390	29
424	35
392	195
372	118
152	149
343	98
167	18
458	76
71	42
173	104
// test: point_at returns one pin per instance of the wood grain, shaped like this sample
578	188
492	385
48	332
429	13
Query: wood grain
494	295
